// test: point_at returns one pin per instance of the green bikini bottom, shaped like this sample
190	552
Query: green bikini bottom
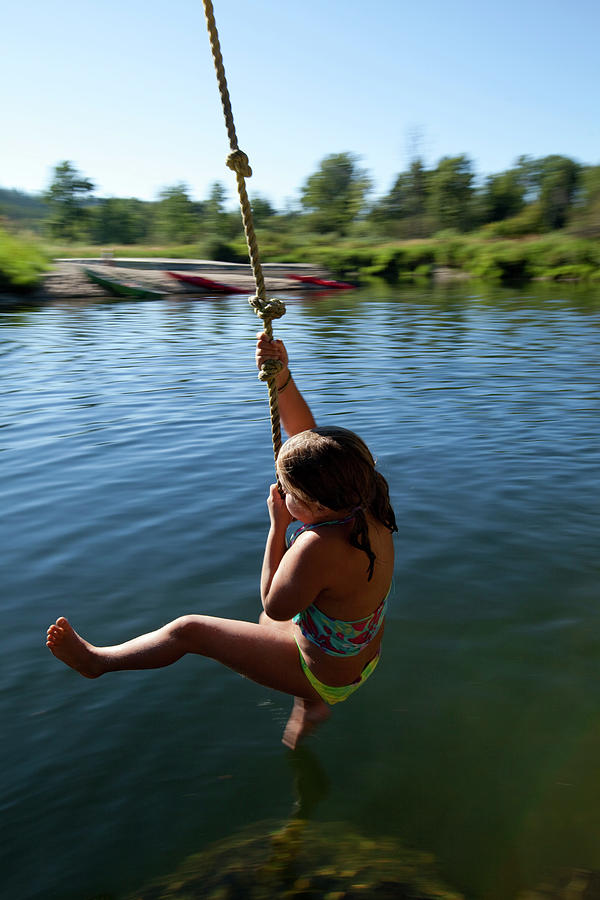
331	694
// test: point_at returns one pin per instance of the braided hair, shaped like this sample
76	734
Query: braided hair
334	467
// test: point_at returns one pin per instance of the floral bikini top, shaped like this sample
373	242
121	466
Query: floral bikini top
337	637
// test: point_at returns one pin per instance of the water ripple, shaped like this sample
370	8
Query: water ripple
136	461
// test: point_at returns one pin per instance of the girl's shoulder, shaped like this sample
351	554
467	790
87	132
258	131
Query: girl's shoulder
325	549
345	564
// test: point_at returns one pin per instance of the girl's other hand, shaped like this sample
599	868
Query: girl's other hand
278	511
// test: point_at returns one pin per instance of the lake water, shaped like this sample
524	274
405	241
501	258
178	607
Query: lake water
135	464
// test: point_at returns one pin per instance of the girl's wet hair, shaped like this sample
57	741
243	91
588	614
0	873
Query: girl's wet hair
334	467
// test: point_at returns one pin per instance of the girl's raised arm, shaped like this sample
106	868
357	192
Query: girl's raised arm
293	409
290	580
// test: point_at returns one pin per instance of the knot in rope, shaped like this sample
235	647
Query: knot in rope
239	163
267	309
269	369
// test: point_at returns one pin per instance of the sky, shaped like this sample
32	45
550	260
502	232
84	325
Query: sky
126	89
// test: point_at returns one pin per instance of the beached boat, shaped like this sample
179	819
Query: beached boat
322	282
120	288
207	284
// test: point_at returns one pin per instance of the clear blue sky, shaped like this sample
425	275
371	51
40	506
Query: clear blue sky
126	89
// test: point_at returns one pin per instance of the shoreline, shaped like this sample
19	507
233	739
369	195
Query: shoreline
68	281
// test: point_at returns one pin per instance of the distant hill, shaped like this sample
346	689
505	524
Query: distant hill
22	209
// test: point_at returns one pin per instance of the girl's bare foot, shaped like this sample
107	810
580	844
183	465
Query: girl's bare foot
71	649
304	718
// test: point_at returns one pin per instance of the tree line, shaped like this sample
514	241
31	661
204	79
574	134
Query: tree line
534	196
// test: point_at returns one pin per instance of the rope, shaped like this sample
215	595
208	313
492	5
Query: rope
267	310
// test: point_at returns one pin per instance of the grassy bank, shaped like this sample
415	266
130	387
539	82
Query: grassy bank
22	263
552	257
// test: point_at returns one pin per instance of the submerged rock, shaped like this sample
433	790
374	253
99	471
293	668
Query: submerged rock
573	884
301	861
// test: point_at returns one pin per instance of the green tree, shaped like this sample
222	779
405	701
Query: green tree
215	212
116	220
335	194
585	218
221	224
261	209
450	194
176	219
500	194
559	180
406	203
21	209
67	199
550	186
528	174
503	196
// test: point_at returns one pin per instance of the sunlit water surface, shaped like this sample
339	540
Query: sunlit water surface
135	464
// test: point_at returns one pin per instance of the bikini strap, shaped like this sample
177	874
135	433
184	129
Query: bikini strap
304	528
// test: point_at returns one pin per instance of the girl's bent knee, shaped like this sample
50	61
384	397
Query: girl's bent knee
186	630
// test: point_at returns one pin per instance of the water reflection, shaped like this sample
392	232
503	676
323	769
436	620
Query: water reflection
311	783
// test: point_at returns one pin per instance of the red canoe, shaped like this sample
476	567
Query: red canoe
207	284
322	282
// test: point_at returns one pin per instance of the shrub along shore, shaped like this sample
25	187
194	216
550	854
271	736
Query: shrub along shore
552	257
24	262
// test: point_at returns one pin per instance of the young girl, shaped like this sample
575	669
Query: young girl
323	598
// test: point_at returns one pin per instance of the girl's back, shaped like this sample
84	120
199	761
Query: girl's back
347	593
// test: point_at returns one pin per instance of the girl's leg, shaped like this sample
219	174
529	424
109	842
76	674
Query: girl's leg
267	655
306	714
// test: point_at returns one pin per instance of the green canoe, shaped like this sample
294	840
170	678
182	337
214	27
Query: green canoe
123	288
